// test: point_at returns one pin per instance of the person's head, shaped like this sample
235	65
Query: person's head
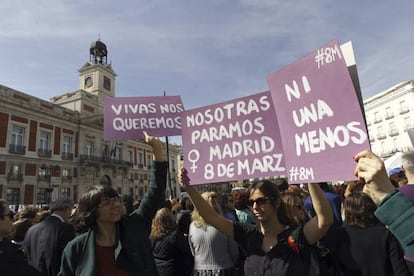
100	204
353	187
211	198
265	202
282	184
242	202
162	224
62	207
227	202
6	219
41	215
294	206
359	210
28	212
407	162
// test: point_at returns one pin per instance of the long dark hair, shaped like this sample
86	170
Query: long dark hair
359	210
271	191
86	212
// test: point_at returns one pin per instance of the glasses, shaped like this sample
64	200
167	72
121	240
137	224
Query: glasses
259	201
110	202
10	214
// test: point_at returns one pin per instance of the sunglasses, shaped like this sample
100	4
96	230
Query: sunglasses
259	201
10	214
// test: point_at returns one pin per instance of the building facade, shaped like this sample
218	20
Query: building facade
390	119
55	149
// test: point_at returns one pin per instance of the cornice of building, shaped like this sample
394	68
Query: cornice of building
388	95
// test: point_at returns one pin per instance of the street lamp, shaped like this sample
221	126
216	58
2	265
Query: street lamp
48	174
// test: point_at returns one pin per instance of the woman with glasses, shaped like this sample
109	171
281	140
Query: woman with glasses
113	244
273	246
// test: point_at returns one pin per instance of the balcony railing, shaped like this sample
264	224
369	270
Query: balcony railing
393	132
67	156
17	149
85	158
15	176
44	177
67	178
377	120
381	136
404	110
44	153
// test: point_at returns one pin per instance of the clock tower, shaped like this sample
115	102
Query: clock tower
97	76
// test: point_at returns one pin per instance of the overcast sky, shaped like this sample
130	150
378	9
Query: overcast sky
206	51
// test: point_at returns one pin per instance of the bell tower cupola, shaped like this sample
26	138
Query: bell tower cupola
97	76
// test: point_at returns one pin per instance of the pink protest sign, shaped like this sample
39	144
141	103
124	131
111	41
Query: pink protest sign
320	120
233	140
127	117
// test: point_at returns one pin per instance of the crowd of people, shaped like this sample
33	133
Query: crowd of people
269	228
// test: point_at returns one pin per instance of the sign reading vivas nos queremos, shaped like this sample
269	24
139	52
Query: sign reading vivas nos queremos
127	117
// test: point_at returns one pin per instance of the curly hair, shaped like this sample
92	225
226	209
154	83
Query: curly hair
28	212
359	210
162	224
211	198
86	212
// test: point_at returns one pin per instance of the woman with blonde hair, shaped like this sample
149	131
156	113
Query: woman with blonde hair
214	253
169	246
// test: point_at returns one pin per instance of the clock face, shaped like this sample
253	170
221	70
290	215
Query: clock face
88	82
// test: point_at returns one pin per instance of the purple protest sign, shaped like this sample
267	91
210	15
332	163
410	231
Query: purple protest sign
127	117
321	122
233	140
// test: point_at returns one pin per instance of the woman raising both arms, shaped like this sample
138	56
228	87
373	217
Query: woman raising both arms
273	246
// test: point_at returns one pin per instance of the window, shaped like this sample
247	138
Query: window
377	117
89	148
17	135
403	107
13	196
149	160
66	174
388	113
42	196
407	123
65	192
67	144
130	156
15	172
118	152
140	160
107	83
44	140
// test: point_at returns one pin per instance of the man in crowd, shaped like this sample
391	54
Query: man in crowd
45	241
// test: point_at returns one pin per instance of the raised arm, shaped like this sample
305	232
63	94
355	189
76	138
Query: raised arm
157	149
156	189
206	211
370	168
317	227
